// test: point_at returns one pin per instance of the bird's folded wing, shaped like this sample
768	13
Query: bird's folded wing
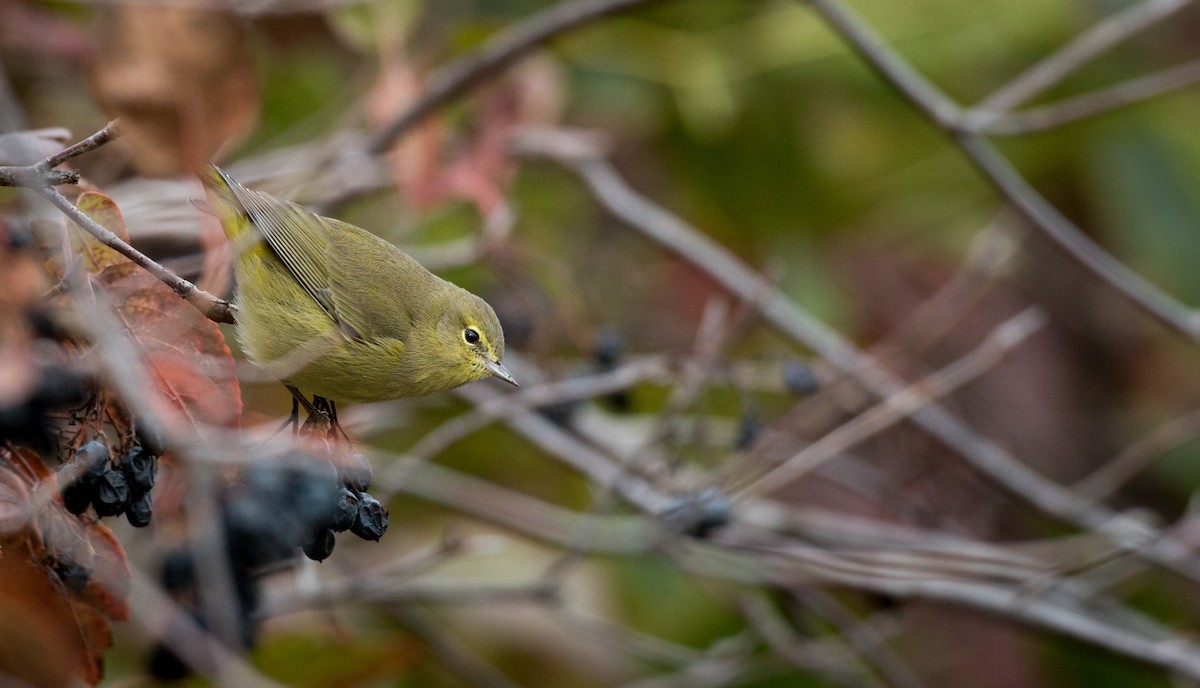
379	308
295	235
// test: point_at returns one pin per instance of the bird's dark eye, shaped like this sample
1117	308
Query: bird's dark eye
470	335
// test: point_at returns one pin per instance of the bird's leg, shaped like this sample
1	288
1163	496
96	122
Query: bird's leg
321	404
315	410
338	426
328	409
299	398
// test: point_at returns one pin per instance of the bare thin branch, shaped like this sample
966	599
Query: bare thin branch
455	655
862	636
1097	102
578	153
1098	39
928	99
213	308
1107	479
91	143
904	403
34	177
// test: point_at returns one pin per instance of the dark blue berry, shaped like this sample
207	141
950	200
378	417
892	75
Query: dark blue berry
139	511
111	494
799	378
346	511
321	546
372	520
140	468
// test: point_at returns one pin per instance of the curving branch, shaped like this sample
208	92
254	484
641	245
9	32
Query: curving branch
579	153
1098	39
41	177
948	116
214	308
1069	110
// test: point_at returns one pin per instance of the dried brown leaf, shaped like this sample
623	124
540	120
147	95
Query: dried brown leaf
46	550
180	78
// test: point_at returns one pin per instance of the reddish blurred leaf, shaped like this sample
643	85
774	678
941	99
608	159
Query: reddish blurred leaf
432	165
40	639
96	635
102	209
30	464
69	541
181	79
71	569
193	367
28	28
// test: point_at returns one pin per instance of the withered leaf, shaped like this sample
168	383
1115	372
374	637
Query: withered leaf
181	79
186	353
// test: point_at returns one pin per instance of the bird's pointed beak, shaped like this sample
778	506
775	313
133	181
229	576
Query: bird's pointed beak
497	369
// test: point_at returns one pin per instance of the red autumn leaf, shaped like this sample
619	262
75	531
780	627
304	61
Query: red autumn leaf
107	591
30	464
433	164
96	636
41	643
186	353
70	541
20	471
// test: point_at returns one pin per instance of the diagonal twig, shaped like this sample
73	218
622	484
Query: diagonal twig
948	116
1099	38
1056	114
579	153
903	404
213	308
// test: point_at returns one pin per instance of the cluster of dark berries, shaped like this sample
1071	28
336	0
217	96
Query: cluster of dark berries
114	487
275	509
27	421
354	509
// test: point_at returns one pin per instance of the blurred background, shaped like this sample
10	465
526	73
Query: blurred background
620	532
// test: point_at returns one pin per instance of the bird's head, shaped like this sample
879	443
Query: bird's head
470	338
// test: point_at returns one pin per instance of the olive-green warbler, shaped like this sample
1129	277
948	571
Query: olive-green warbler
339	312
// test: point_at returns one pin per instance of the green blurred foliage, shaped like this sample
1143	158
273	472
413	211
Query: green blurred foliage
1075	665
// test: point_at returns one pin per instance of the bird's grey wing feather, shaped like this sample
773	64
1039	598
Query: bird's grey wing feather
384	307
